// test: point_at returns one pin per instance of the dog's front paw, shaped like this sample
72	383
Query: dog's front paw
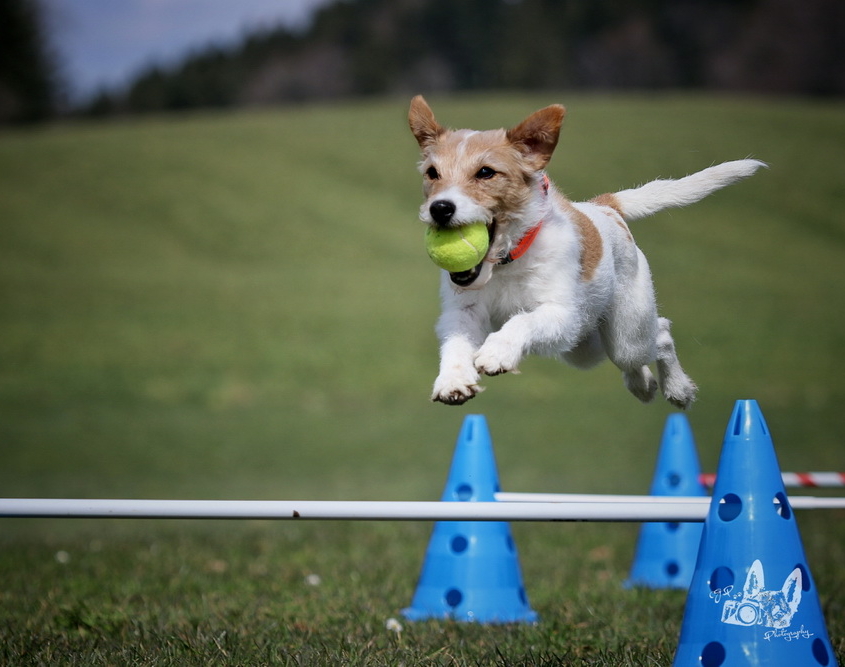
496	357
456	389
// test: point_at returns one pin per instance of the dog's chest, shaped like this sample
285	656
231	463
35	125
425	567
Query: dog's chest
514	290
556	282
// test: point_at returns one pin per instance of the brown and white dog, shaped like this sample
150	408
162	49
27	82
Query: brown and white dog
560	279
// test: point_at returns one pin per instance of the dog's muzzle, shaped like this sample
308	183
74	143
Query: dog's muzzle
442	211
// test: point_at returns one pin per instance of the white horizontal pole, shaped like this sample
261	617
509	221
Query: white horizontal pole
796	502
680	509
512	497
348	510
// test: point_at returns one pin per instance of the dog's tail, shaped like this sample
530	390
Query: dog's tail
657	195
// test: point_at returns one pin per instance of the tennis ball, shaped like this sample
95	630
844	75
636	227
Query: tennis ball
457	249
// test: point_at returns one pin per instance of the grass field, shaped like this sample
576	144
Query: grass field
240	306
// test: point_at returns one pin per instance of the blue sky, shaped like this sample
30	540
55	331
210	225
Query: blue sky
105	42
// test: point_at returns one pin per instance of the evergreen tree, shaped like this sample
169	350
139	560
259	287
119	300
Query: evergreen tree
28	80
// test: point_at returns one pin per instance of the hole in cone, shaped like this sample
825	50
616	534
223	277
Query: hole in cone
454	597
782	506
722	578
713	655
673	479
820	652
459	544
730	507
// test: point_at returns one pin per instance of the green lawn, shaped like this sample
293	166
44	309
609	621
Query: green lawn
240	306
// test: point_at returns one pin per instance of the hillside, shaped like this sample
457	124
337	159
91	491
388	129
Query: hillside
240	306
255	284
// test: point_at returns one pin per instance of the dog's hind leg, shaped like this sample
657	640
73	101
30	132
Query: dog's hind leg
676	385
629	340
629	330
586	354
641	383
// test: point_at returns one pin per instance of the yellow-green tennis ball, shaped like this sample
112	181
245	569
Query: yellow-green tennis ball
457	249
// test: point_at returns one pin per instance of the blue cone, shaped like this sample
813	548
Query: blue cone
666	552
471	570
752	600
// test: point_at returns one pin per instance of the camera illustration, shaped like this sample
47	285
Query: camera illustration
757	606
742	613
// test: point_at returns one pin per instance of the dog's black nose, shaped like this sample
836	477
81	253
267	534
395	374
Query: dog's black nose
442	211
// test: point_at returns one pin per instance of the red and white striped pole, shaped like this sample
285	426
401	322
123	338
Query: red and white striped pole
795	479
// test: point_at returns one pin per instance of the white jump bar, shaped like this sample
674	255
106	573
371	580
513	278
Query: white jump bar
797	502
682	509
347	510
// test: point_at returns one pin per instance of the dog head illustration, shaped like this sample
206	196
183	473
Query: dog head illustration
757	606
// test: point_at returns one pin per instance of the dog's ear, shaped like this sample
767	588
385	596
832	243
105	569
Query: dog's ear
536	136
423	124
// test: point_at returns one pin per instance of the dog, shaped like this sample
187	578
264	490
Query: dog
560	279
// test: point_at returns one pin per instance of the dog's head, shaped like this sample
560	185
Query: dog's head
493	176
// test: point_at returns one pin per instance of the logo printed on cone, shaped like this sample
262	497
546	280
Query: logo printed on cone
757	606
732	615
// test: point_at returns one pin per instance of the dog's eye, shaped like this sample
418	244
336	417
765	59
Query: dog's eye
431	172
485	172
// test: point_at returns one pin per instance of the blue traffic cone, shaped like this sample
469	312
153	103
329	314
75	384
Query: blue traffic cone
471	570
666	552
752	600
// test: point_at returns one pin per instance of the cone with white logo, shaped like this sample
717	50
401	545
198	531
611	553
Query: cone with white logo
752	600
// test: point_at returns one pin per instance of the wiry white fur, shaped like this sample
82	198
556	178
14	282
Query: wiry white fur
559	300
657	195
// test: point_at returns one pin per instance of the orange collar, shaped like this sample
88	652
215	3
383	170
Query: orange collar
526	241
523	245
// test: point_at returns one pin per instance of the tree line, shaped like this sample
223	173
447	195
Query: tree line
368	47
